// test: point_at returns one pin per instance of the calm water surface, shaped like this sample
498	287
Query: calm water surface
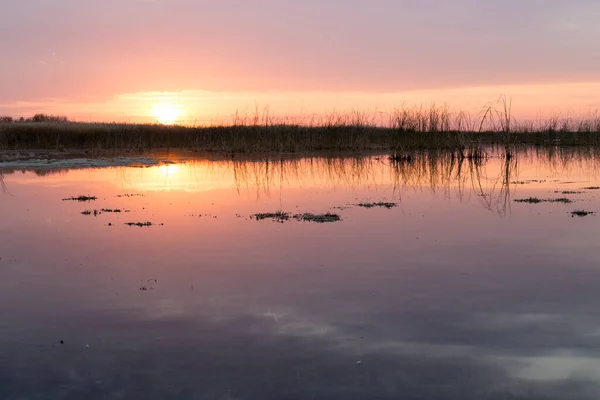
458	292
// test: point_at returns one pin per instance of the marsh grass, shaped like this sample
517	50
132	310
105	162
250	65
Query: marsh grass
400	133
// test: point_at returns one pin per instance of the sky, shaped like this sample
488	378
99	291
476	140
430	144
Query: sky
204	60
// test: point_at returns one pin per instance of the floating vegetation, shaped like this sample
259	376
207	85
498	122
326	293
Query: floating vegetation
581	213
281	216
204	215
567	192
140	224
527	182
319	218
103	210
278	216
592	188
563	200
81	198
378	204
531	200
88	212
342	208
535	200
130	195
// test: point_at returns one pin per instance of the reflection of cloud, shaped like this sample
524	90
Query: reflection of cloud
561	366
249	351
510	341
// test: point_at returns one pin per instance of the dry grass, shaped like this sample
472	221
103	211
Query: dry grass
404	130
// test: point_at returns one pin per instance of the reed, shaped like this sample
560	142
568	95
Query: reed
402	132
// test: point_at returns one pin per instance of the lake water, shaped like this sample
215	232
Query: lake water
457	292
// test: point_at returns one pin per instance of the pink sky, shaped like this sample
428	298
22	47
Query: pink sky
126	59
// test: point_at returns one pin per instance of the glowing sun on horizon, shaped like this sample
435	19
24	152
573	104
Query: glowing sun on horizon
167	113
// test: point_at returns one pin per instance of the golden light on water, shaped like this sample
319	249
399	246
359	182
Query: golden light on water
167	113
169	170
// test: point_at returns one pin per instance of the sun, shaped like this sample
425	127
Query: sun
167	113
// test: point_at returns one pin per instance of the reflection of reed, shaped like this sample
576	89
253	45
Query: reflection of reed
497	196
489	179
3	187
334	171
450	174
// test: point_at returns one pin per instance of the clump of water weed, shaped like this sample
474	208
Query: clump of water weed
319	218
130	195
563	200
94	212
528	182
531	200
278	216
592	188
81	198
113	210
535	200
378	204
567	192
140	224
581	213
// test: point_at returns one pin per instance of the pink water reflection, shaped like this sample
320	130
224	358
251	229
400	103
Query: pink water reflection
457	274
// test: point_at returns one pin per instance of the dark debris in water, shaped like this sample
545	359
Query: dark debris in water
276	216
81	198
104	210
88	212
378	204
281	216
592	188
581	213
563	200
140	224
567	192
130	195
531	200
319	218
528	182
535	200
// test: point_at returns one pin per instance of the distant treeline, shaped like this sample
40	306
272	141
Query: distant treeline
36	118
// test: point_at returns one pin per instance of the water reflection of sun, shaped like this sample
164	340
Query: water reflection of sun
167	113
169	170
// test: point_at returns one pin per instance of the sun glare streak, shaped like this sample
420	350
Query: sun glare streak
167	113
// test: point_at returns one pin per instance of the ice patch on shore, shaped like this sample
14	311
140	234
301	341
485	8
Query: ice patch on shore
80	163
